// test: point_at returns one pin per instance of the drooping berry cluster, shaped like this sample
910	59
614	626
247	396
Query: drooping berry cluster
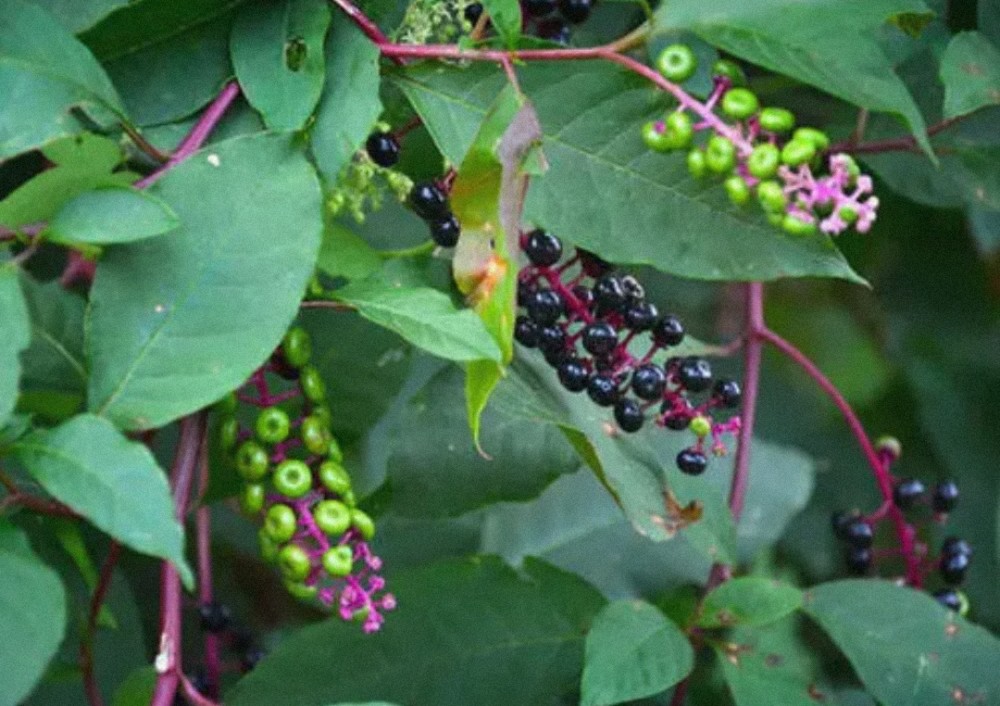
909	496
547	19
603	337
291	466
751	151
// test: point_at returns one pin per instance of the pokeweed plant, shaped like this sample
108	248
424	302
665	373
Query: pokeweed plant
312	314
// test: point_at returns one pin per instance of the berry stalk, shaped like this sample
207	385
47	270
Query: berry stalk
751	383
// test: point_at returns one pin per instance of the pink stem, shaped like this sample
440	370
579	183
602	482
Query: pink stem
206	595
751	382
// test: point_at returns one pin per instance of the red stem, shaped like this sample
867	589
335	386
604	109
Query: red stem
896	144
213	667
90	687
751	383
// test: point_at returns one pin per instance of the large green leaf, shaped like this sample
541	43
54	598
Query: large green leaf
350	104
748	601
465	632
970	71
905	647
78	15
176	322
434	468
32	615
80	163
111	215
277	51
794	39
44	73
424	316
15	334
632	651
115	483
591	114
505	17
150	47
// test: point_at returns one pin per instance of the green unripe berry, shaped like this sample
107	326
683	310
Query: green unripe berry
363	523
315	436
772	197
297	347
292	478
280	523
720	154
797	152
293	562
229	430
739	103
763	161
852	167
333	517
251	461
677	63
333	450
272	425
349	498
776	119
322	413
817	138
701	426
796	226
268	548
737	189
655	138
334	478
776	219
252	498
301	591
730	70
847	214
227	404
696	162
312	384
338	561
679	130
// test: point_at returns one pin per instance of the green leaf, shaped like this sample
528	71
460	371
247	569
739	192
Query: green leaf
505	16
115	483
591	114
32	612
905	647
111	215
176	322
137	689
985	227
434	469
44	73
78	15
81	163
277	51
15	334
633	651
350	103
749	601
424	316
346	254
793	39
465	632
150	47
54	375
970	71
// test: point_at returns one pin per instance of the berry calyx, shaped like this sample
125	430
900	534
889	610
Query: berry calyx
692	462
272	425
292	478
280	523
677	63
908	492
945	496
542	248
383	148
445	231
428	201
629	415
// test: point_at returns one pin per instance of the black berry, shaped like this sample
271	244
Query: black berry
555	29
524	290
695	374
841	520
668	331
555	357
692	462
251	658
677	421
859	560
573	375
383	148
641	316
953	567
526	331
629	415
542	248
603	390
584	295
551	339
907	492
428	201
600	338
859	533
649	381
545	307
576	11
445	231
214	617
955	545
949	598
945	496
609	294
538	8
473	12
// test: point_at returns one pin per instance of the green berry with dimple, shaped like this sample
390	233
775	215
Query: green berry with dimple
272	425
679	129
333	517
315	435
252	498
334	478
739	103
728	69
763	161
817	138
338	561
737	189
776	119
293	562
292	478
229	430
797	152
251	461
796	226
720	155
312	384
363	523
280	523
297	347
677	63
655	138
696	162
701	426
772	197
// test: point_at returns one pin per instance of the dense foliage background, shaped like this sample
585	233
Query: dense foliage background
520	579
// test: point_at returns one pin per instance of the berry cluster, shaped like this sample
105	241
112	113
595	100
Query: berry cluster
291	466
588	320
754	156
425	198
547	19
910	495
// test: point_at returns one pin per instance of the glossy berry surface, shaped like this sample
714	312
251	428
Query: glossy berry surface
445	231
609	294
859	533
292	478
526	331
629	415
668	331
641	316
573	375
603	390
677	63
695	374
428	201
728	393
945	497
473	12
950	598
555	29
542	248
859	560
955	545
576	11
545	306
383	148
649	381
272	425
908	492
952	568
692	462
600	338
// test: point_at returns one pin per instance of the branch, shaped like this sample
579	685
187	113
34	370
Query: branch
87	641
213	667
751	382
897	144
